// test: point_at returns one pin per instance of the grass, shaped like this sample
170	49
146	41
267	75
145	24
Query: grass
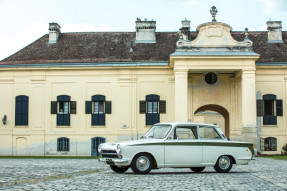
277	157
49	157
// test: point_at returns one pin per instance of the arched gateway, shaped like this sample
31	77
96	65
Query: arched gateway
221	110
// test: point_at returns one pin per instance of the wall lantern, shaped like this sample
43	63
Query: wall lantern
4	120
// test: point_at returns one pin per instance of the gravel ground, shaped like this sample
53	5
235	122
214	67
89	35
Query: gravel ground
89	174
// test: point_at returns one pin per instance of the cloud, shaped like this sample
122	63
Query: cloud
273	6
190	2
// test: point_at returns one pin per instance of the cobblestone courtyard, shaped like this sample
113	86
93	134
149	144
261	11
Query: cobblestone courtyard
89	174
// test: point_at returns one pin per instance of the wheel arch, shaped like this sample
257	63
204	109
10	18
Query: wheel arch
153	158
232	158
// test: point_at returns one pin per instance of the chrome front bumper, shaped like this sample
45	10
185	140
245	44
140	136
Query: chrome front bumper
108	160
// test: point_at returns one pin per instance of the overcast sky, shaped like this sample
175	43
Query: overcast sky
24	21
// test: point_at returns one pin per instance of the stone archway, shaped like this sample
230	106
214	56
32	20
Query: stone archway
221	110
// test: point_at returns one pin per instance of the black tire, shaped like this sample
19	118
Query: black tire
197	169
142	163
223	164
119	169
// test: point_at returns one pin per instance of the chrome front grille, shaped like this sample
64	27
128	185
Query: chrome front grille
109	154
109	151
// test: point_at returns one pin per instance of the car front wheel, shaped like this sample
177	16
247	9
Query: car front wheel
119	169
142	163
223	164
197	169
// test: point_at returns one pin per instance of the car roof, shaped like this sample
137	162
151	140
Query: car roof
185	123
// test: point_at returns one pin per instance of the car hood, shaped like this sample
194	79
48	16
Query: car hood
114	145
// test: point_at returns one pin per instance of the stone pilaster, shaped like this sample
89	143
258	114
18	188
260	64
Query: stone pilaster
249	127
181	87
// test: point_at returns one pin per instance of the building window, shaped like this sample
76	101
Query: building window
98	107
270	144
269	107
211	78
152	107
21	110
63	107
63	144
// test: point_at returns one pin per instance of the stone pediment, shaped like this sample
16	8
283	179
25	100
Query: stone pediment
214	36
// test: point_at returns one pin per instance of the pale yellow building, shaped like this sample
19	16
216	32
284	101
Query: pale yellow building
67	92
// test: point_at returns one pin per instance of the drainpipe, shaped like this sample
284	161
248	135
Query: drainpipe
258	97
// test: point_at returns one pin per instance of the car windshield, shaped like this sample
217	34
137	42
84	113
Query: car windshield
157	132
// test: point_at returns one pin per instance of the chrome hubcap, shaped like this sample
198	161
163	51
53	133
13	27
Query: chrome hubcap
224	162
142	163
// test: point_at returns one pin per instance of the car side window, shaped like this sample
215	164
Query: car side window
206	132
186	132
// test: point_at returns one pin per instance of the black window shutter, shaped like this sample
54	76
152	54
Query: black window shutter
279	107
149	119
102	119
54	107
18	112
73	105
94	119
142	106
98	98
269	120
162	106
98	119
260	107
155	118
88	107
108	106
21	110
66	119
60	119
25	106
269	97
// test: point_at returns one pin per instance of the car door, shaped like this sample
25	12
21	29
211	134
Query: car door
212	146
183	148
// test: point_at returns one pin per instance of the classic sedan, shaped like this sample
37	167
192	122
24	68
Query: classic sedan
177	145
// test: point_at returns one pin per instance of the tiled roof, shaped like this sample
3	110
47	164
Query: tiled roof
93	47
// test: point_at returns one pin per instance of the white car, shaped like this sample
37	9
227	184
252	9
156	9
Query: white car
177	145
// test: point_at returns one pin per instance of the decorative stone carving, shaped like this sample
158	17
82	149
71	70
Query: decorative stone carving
213	12
214	36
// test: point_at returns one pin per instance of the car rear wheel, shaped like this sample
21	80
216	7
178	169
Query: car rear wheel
223	164
142	163
197	169
119	169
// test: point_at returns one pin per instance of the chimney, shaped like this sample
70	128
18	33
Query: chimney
274	31
54	32
145	31
185	29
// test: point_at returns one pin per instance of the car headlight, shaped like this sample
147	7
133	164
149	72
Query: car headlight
118	148
100	148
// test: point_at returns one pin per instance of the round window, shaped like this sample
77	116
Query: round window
211	78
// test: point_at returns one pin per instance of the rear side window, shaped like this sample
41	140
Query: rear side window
206	132
186	132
